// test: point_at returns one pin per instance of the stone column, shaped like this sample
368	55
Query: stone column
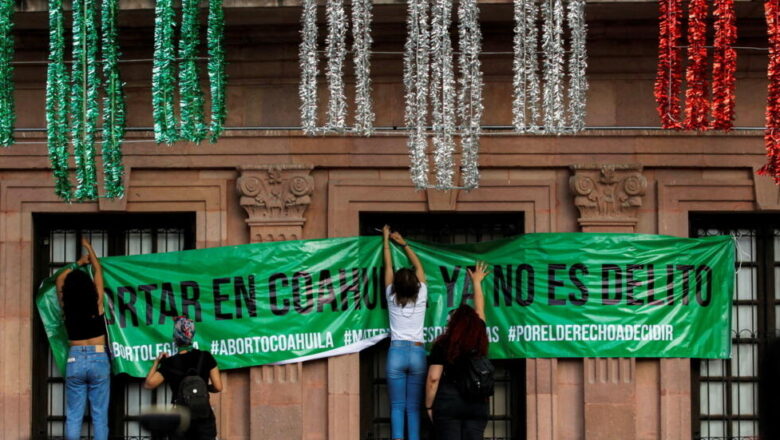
275	198
608	198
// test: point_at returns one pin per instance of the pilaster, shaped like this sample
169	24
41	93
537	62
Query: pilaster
608	197
275	198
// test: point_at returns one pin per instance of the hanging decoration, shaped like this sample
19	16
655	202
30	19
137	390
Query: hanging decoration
307	54
772	132
470	107
84	97
442	92
695	75
724	66
669	77
540	95
361	47
336	53
215	36
697	107
191	124
113	104
76	99
578	63
552	46
192	127
163	76
7	112
527	99
429	74
416	79
57	86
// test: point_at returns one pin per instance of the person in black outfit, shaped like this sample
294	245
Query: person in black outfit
454	416
174	368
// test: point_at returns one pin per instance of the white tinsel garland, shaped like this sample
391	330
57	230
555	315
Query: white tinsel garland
578	84
552	15
336	53
307	90
361	35
416	75
527	99
442	92
470	93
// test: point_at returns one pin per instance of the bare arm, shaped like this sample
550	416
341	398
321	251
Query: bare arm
388	256
477	275
97	272
432	386
154	378
418	269
216	380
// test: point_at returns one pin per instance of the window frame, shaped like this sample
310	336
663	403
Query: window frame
766	302
411	224
115	225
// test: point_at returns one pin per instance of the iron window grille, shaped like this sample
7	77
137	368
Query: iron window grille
57	243
507	406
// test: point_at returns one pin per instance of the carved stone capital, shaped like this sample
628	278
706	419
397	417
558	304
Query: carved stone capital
275	198
608	196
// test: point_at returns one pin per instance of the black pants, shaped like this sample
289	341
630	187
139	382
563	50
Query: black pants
202	429
455	418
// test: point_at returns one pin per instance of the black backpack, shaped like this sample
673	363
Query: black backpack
477	379
193	393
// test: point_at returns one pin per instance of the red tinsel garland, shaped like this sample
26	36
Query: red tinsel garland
772	133
696	104
669	77
724	66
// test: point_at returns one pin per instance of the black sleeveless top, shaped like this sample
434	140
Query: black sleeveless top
86	328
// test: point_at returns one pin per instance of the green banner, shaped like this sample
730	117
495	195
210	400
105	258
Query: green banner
547	295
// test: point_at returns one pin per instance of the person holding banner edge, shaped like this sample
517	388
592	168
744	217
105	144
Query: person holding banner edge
454	415
407	298
88	370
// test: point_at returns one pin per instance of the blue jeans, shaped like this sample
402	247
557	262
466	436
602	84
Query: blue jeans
88	374
406	370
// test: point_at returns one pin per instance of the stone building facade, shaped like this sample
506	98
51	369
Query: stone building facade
266	181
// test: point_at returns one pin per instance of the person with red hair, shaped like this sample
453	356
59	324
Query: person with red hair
455	416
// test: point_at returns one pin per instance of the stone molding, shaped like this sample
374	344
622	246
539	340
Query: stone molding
608	195
275	198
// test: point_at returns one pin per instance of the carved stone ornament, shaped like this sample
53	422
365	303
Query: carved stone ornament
275	196
608	194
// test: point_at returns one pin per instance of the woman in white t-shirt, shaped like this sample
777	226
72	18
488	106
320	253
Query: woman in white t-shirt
407	297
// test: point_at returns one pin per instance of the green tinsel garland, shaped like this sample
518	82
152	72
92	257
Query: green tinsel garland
193	128
163	79
57	102
84	97
7	114
113	104
216	67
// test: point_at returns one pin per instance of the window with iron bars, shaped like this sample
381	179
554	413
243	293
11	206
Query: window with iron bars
57	239
507	406
725	398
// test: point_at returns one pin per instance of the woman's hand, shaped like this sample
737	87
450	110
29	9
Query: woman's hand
396	236
161	356
479	273
84	242
386	232
83	261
